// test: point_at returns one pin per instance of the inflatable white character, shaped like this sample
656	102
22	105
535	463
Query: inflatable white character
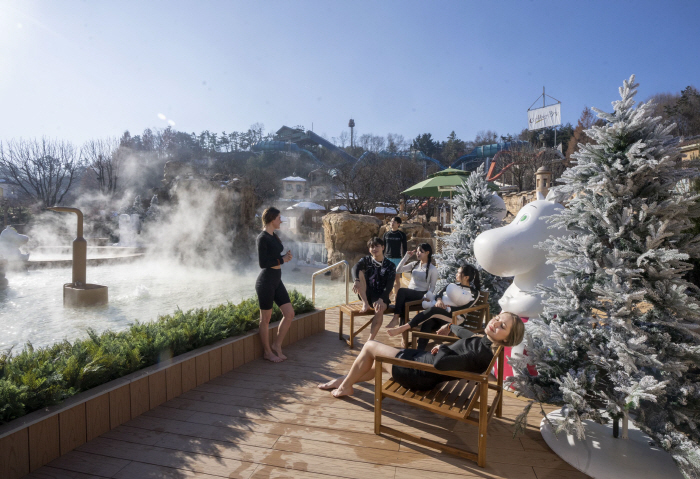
10	241
455	295
511	251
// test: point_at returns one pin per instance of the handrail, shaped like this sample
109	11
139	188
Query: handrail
347	280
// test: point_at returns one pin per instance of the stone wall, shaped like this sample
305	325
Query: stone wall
515	201
346	236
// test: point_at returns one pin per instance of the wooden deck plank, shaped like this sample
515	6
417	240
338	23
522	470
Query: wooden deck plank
54	473
262	420
271	457
288	430
203	431
142	471
90	464
159	456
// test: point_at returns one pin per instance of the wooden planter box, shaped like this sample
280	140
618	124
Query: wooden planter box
36	439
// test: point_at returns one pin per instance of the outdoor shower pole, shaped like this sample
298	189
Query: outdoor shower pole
79	248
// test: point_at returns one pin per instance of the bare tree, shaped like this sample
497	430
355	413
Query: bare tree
520	164
396	143
44	169
343	139
104	158
487	137
360	186
378	181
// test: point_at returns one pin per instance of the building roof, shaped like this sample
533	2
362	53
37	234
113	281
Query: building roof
293	178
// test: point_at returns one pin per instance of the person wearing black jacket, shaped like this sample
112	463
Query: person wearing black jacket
395	247
431	319
373	279
269	286
473	353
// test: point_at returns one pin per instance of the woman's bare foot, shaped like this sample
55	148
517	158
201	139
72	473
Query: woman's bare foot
395	331
392	324
278	353
343	391
272	357
365	307
330	385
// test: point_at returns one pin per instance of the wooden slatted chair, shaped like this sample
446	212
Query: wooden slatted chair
475	318
466	400
352	310
416	305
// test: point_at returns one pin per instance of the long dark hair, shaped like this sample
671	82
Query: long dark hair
425	247
473	273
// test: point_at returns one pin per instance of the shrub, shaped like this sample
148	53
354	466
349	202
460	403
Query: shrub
37	378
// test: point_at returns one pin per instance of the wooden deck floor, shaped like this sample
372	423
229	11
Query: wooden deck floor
266	420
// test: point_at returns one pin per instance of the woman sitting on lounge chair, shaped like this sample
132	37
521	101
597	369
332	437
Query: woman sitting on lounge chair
472	354
467	283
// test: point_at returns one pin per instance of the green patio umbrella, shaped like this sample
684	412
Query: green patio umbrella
438	185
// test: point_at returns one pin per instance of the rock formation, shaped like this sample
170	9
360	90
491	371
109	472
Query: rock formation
346	236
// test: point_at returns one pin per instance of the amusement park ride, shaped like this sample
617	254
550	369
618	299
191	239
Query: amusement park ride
296	140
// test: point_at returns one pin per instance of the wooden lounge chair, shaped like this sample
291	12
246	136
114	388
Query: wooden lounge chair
476	318
466	400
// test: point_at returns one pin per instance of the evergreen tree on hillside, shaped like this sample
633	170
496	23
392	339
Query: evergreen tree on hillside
617	334
474	212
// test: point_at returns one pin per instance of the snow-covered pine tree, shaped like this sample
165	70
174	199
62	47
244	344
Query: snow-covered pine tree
616	334
473	213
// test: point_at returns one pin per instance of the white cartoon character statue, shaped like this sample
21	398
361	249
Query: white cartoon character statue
10	241
455	295
511	251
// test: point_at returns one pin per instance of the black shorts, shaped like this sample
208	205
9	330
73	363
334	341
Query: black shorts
415	378
269	288
372	298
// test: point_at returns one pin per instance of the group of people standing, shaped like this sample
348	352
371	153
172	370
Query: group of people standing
374	278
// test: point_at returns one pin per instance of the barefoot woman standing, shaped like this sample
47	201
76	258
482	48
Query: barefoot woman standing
269	286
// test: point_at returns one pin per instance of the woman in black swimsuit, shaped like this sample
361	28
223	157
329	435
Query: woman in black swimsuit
473	354
269	286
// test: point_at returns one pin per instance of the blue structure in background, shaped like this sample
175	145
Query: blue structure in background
412	155
485	153
293	140
284	146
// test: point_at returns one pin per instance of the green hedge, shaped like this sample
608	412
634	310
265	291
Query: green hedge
36	378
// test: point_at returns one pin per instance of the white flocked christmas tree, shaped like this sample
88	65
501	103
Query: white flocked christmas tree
617	332
474	212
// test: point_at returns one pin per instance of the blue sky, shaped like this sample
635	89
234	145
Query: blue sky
79	70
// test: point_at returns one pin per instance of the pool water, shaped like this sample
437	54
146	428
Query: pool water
31	308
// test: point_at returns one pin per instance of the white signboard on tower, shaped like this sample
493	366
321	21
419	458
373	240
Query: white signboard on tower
544	117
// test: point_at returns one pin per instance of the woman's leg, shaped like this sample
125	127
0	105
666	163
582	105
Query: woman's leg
404	295
419	319
362	369
265	315
398	306
430	326
265	288
288	312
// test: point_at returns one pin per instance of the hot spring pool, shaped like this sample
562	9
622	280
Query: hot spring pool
31	308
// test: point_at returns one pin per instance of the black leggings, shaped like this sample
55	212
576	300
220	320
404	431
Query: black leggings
429	323
403	296
269	288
